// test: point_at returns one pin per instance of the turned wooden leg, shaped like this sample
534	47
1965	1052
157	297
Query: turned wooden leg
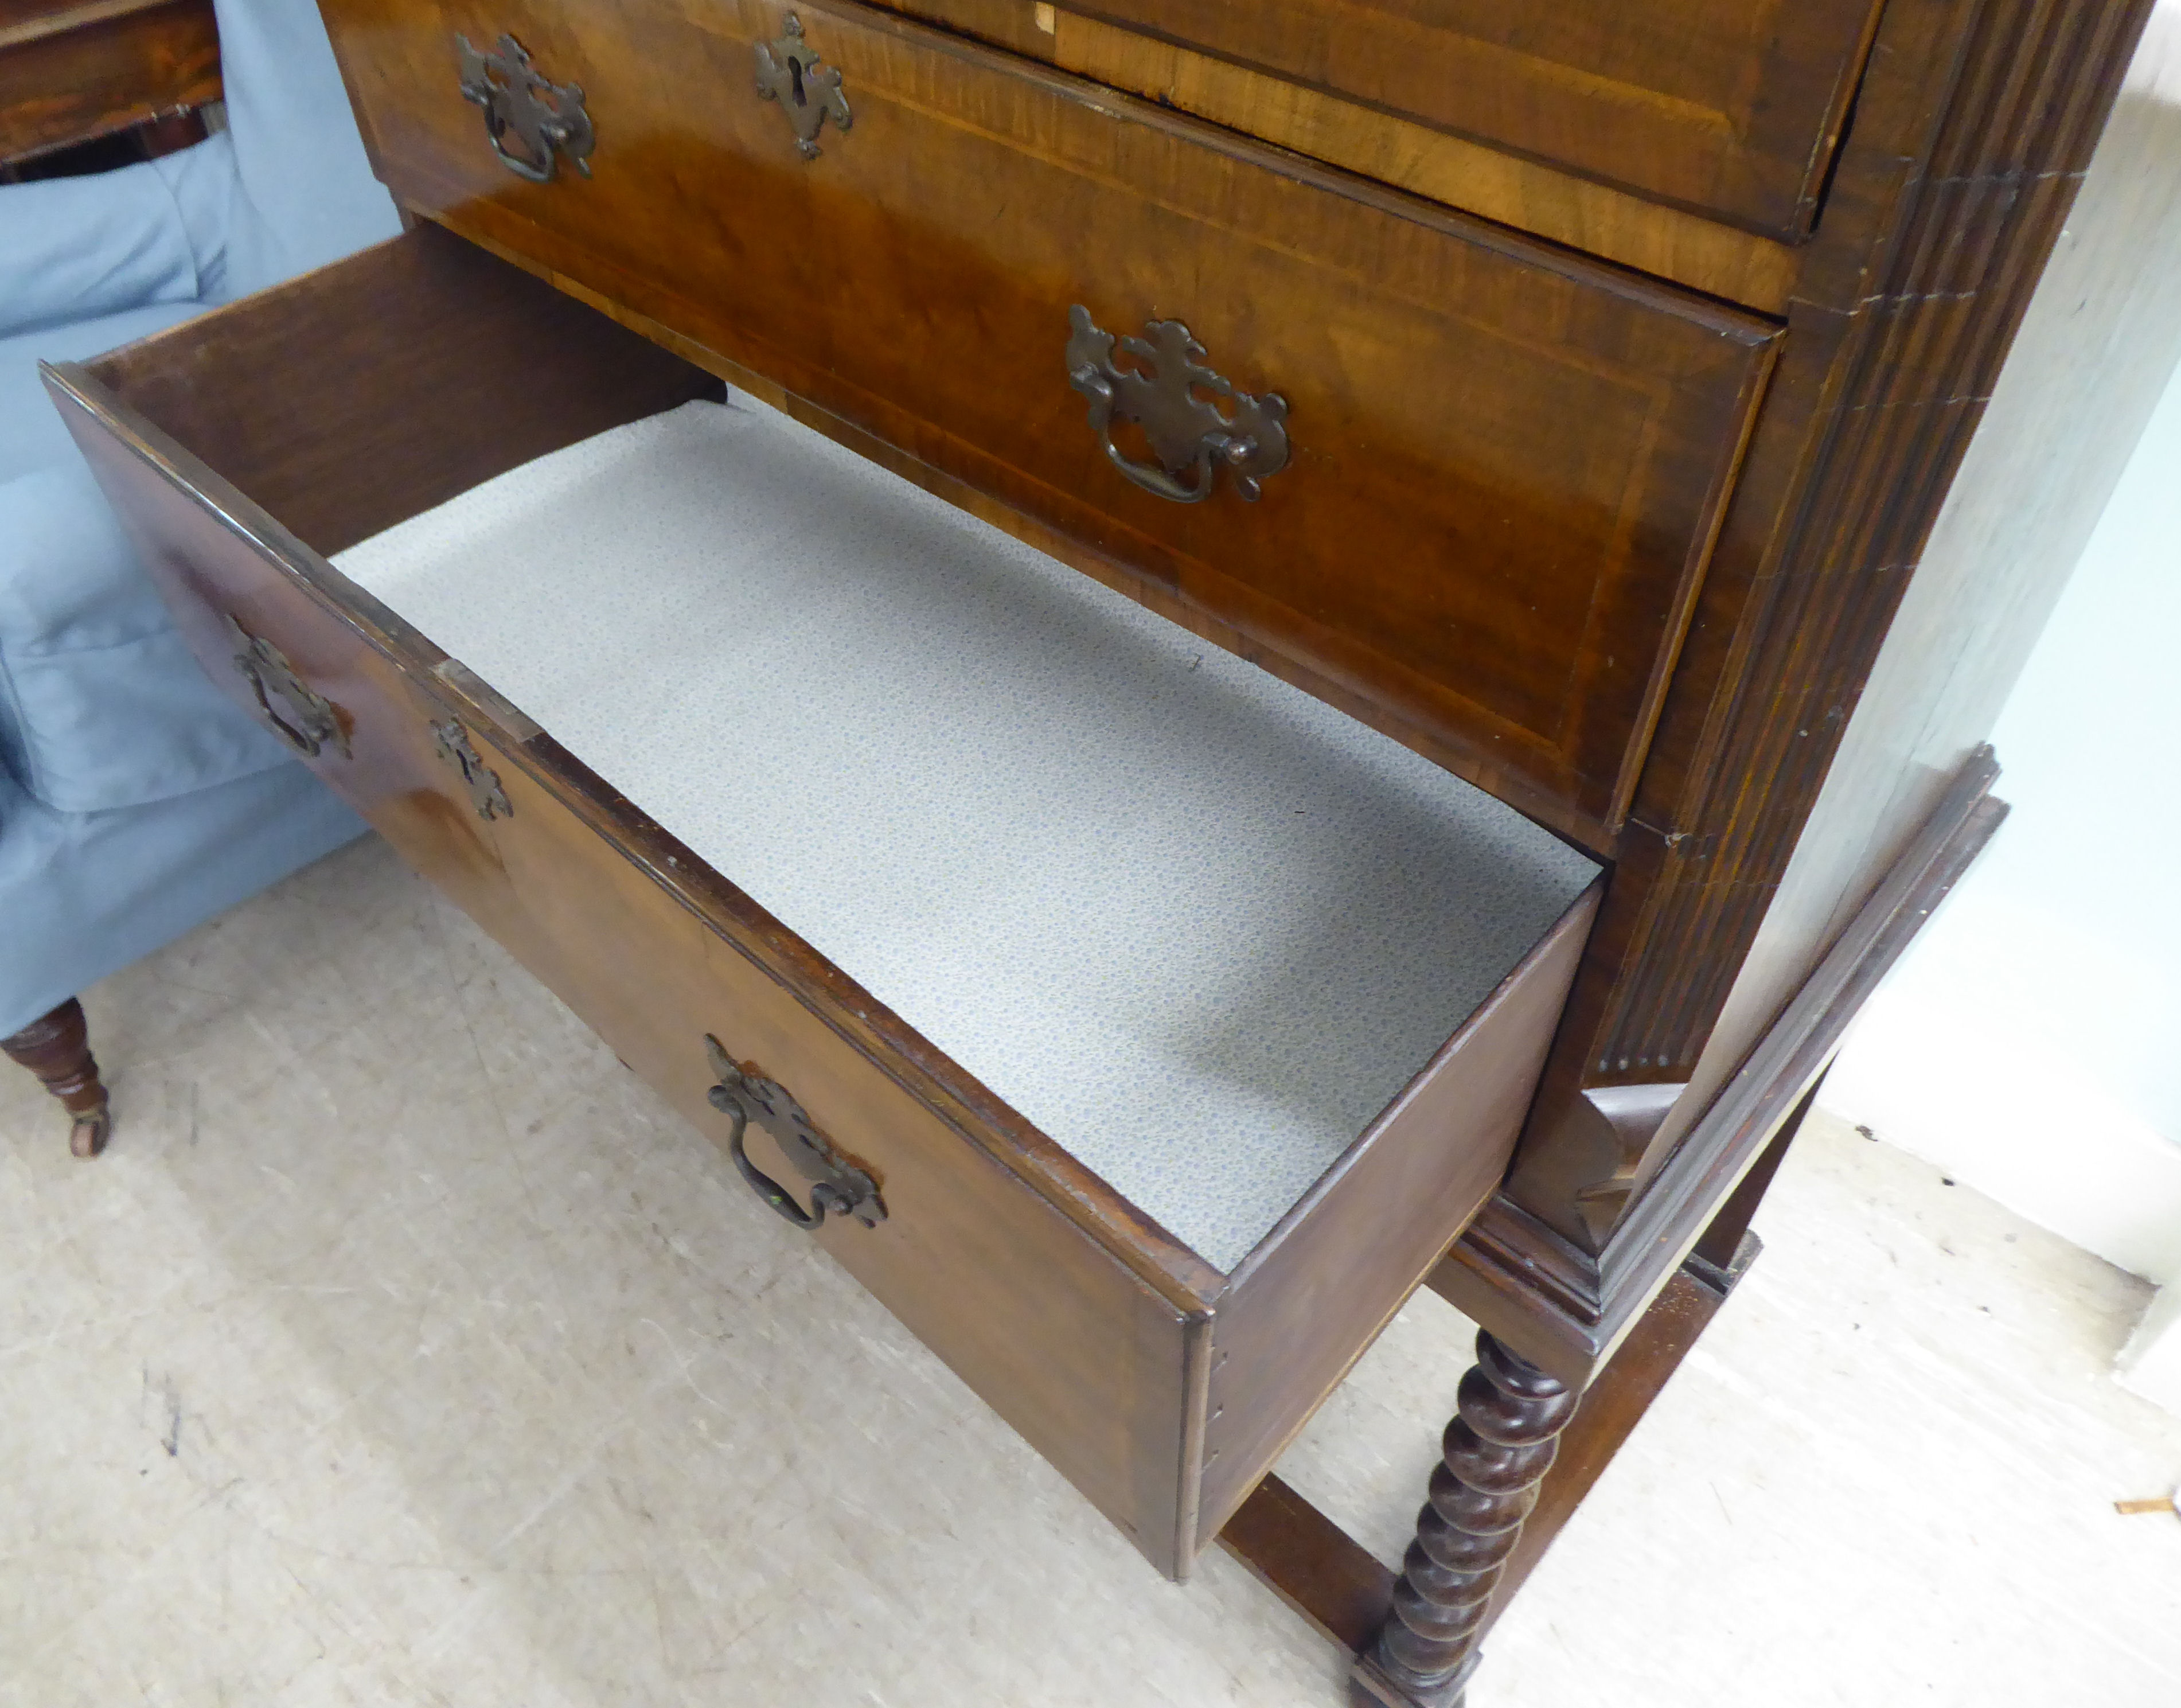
1501	1441
58	1050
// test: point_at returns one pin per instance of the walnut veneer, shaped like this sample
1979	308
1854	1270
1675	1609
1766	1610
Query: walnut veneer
73	69
1627	352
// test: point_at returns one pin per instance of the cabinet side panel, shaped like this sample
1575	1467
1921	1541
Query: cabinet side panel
2081	380
1972	133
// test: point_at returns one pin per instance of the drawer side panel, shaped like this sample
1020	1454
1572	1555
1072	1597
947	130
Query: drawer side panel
1310	1301
356	395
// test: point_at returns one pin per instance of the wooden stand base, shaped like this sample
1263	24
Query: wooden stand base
1330	1579
1498	1447
1371	1685
58	1049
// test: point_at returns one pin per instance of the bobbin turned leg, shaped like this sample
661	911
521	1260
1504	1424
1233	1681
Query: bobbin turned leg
1501	1441
56	1049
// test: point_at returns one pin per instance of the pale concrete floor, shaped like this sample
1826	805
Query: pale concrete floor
405	1350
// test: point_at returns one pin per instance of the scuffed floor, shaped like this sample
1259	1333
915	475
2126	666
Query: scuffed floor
404	1350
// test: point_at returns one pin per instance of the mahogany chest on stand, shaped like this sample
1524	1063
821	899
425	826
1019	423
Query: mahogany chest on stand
1181	666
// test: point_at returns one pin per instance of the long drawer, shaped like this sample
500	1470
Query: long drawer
1492	479
246	447
1729	107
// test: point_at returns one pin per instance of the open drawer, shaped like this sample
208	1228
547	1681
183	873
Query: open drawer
1139	1030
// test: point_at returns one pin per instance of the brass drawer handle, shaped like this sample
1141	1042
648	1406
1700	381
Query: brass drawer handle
789	71
836	1184
486	795
548	118
317	724
1168	393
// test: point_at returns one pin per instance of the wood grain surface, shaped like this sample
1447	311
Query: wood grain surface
1086	1362
1531	196
415	370
1311	1563
1971	136
1570	1309
73	69
1305	1304
1718	105
1508	462
208	572
1082	1358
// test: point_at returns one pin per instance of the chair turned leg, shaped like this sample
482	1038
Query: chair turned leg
56	1049
1500	1443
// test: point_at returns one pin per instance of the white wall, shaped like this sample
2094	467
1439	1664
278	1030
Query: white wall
2030	1042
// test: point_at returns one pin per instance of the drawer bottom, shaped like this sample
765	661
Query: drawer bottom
1195	926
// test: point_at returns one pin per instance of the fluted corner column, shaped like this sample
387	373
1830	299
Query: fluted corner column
1499	1445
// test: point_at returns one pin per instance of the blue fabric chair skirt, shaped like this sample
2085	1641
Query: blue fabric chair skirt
135	801
89	892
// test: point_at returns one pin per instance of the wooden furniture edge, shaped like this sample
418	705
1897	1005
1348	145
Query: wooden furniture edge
1555	203
1471	762
63	20
1973	130
1344	1592
1323	1574
165	56
1565	1310
1622	1358
1420	1228
1498	1470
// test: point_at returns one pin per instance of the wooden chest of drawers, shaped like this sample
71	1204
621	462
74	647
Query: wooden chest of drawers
1162	1381
1563	395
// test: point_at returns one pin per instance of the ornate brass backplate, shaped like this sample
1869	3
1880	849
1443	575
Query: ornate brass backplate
315	724
548	118
486	794
789	71
835	1183
1194	422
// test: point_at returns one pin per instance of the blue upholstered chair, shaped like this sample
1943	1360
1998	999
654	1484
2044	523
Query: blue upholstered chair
136	800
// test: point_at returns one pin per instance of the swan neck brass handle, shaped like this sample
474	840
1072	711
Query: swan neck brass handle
837	1184
314	723
548	118
1194	420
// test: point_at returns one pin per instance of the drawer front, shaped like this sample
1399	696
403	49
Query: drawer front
1088	1363
1731	107
1079	1356
310	676
1506	465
